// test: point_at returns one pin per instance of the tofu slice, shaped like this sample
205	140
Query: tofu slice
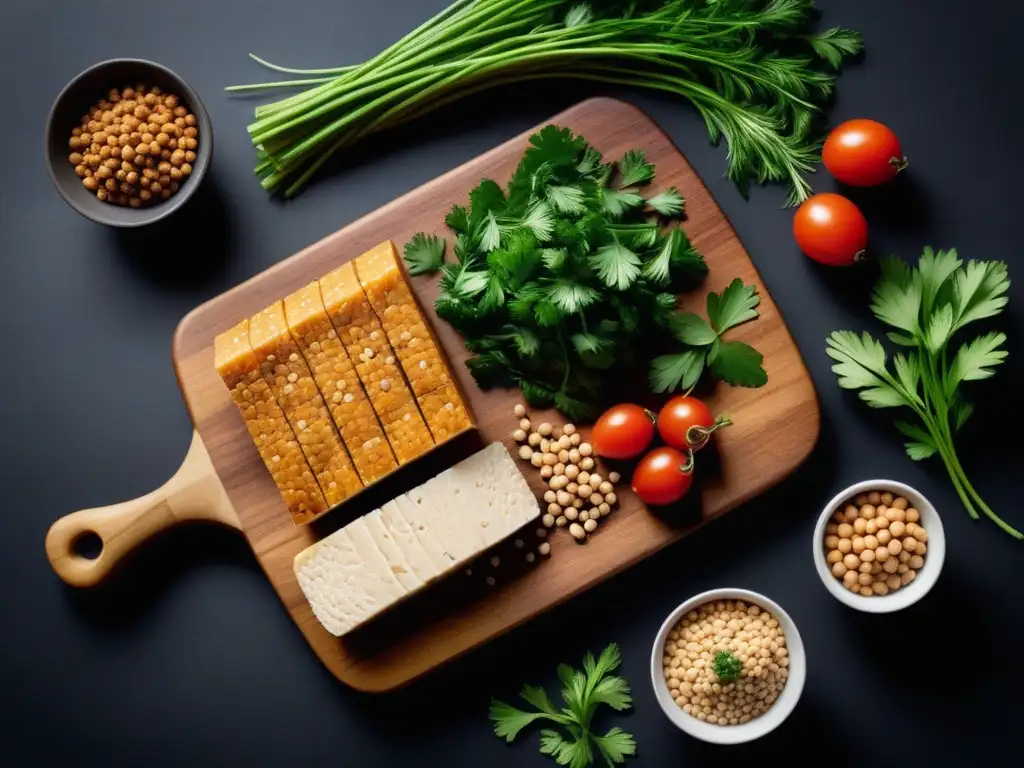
417	519
388	546
240	370
500	493
380	577
451	514
425	568
332	577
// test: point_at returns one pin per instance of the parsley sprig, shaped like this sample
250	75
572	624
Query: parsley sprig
583	691
928	305
732	361
727	667
569	279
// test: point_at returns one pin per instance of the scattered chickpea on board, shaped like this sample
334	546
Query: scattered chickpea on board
577	496
135	147
726	662
874	544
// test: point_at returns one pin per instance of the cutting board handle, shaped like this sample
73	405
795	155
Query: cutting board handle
193	493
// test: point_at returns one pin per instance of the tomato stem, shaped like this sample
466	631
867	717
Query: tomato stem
697	436
687	468
899	163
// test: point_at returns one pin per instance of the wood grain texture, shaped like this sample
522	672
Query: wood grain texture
193	493
774	428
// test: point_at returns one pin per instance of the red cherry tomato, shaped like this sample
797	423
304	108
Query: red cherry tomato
623	431
663	476
831	230
686	423
863	153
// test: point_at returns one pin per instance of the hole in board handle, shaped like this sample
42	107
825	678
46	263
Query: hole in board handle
87	544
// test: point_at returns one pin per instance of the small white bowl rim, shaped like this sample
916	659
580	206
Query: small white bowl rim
904	596
759	726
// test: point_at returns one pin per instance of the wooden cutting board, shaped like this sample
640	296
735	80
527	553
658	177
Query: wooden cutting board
223	479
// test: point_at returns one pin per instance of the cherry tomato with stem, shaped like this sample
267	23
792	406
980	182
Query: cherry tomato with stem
863	153
831	230
663	476
686	423
623	431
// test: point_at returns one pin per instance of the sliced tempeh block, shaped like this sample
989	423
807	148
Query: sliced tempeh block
367	346
339	384
407	432
238	367
291	381
407	329
445	413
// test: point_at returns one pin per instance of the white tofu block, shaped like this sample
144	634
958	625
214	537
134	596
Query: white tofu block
452	512
396	559
327	574
416	555
502	499
424	531
375	561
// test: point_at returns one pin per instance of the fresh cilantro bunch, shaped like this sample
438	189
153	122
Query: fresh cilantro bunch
928	306
583	692
566	280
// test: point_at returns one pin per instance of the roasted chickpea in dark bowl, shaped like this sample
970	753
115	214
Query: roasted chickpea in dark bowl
128	142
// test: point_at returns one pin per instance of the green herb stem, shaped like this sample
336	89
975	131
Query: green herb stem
741	67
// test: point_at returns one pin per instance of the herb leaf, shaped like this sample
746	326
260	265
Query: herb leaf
976	360
634	169
667	203
616	265
678	371
736	304
424	254
693	329
727	667
617	202
739	364
616	745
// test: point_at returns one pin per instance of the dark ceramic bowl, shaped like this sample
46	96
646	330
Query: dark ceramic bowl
78	97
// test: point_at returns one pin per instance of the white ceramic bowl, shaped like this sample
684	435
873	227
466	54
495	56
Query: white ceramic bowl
903	596
759	726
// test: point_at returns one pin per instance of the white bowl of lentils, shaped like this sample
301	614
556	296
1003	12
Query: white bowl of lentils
900	521
748	640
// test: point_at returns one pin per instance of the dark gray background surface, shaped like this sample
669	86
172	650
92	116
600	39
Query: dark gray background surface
189	658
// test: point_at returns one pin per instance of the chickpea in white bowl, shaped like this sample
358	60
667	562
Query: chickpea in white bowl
728	666
879	546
